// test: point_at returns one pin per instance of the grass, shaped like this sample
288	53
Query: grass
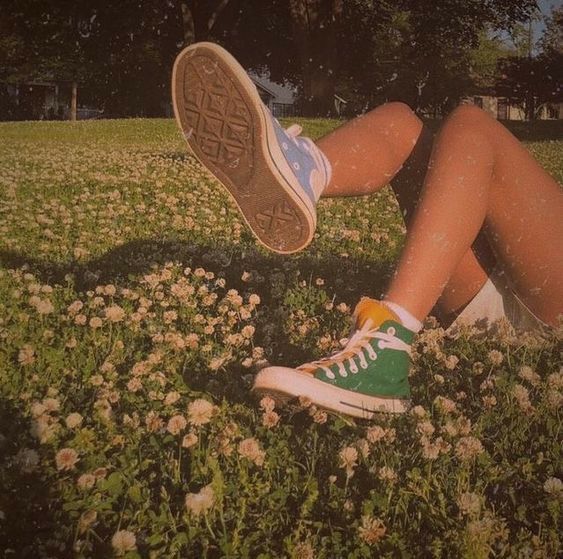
134	310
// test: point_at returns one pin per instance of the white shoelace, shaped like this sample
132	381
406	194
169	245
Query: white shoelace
294	130
355	347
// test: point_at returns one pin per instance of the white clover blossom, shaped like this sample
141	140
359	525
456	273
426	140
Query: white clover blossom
200	412
201	502
66	459
124	541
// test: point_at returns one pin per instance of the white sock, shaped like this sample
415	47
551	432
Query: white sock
407	319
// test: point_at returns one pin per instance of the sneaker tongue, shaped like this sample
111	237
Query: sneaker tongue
374	311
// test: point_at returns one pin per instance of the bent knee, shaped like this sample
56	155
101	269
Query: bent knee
467	132
470	122
400	113
469	114
399	107
397	123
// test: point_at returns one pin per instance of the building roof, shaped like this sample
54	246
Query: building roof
282	93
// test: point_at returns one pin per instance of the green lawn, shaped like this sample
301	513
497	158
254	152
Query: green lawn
134	310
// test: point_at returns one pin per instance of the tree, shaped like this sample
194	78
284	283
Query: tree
437	46
484	59
373	50
293	40
367	50
530	81
315	29
552	39
46	40
199	18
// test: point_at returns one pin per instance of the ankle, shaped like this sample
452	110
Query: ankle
407	319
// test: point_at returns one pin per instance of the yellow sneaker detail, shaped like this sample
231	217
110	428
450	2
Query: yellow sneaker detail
373	310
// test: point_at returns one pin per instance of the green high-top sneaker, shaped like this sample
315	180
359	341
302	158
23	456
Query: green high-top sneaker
369	375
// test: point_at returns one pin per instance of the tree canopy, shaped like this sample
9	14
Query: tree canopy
367	51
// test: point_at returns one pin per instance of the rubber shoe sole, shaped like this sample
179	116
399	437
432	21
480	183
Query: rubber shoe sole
222	119
283	384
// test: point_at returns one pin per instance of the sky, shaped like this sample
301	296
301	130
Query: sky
538	27
546	6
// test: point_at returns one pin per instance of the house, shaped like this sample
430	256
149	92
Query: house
43	100
282	99
502	109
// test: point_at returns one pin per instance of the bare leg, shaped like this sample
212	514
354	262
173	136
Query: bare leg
479	182
480	175
366	154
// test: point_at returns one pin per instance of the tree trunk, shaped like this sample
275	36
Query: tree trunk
198	19
73	101
215	14
314	26
318	88
188	24
530	107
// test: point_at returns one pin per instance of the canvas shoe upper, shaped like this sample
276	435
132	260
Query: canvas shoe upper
307	162
369	375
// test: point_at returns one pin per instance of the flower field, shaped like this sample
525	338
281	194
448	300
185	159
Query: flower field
135	308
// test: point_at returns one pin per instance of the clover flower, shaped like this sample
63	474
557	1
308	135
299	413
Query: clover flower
468	448
267	403
201	502
114	313
348	459
200	412
495	357
469	504
66	459
26	355
270	419
375	434
176	424
371	530
250	448
86	481
124	541
73	420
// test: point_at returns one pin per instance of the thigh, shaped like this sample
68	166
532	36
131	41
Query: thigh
524	225
366	152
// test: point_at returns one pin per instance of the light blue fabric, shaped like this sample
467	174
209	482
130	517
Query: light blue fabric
297	153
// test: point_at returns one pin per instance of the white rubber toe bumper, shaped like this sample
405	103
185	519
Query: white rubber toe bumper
283	384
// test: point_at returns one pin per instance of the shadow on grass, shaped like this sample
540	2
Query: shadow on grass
345	279
28	505
32	507
134	258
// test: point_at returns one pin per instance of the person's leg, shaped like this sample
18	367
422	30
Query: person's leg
367	154
481	176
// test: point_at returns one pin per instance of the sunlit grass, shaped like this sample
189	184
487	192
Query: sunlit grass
134	310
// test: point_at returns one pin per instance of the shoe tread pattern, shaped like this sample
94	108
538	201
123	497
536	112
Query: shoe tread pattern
223	129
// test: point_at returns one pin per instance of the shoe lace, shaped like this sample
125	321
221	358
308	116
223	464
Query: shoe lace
294	130
355	347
